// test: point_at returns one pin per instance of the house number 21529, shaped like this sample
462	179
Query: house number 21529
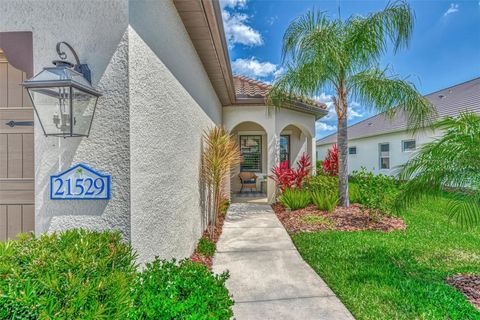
80	183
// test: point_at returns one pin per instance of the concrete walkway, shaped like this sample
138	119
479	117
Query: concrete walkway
268	277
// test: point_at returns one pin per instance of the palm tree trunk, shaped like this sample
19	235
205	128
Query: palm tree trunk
342	143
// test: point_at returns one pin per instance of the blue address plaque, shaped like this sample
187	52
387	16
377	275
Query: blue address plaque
80	182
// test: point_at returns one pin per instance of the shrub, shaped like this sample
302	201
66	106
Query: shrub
322	182
76	274
330	164
324	200
206	247
377	192
187	290
286	177
353	192
295	198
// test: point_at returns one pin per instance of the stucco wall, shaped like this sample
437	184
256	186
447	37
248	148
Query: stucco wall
171	103
97	31
368	150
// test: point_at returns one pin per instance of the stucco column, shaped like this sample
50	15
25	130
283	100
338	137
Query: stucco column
313	154
272	160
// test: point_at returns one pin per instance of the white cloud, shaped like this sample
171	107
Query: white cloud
253	68
237	30
322	126
354	108
233	3
454	7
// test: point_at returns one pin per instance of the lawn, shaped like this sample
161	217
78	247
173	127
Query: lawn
398	275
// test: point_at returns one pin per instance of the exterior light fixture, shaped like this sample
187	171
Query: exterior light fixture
63	97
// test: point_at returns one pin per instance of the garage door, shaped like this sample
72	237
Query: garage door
16	154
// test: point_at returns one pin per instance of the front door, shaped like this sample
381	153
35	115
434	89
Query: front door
17	212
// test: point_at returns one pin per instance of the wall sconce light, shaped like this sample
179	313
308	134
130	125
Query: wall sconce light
63	97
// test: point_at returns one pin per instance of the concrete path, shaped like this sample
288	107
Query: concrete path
268	277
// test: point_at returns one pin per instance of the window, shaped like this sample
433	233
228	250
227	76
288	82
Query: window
251	150
384	155
285	148
408	145
352	150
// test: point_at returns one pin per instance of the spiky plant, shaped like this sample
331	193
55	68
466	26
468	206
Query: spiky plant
451	161
322	54
221	153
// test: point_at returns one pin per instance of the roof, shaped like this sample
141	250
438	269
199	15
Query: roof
250	91
450	101
203	21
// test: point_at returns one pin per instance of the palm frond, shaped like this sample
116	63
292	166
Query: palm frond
389	93
450	161
367	37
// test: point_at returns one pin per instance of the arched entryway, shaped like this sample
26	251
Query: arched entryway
294	141
249	179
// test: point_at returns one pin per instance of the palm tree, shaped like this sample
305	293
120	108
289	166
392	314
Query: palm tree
451	161
321	54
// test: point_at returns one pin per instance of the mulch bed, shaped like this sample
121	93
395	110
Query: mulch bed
353	218
469	285
200	258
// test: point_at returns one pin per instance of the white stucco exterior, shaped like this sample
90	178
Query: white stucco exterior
98	32
171	104
368	153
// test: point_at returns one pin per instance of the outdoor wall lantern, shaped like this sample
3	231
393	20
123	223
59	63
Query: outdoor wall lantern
63	97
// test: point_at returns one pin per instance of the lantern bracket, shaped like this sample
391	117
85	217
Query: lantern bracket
77	66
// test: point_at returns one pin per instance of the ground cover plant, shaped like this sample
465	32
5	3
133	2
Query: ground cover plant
187	290
401	274
293	198
81	274
208	242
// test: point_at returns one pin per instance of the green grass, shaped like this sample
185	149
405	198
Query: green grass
398	275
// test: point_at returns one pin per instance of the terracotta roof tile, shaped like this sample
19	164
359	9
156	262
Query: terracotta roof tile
249	88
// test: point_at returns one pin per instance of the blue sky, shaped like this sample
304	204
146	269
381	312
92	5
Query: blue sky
445	47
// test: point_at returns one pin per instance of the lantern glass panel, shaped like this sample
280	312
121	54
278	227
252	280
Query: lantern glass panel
53	109
83	110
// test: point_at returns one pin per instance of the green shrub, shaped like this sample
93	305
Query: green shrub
75	274
353	192
324	183
206	247
377	192
187	290
324	200
295	198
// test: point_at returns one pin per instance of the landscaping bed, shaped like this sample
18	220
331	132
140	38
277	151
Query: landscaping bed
354	218
206	249
469	285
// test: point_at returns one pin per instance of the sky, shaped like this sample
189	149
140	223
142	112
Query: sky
444	49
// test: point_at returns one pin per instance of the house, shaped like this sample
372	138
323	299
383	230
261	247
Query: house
380	144
163	70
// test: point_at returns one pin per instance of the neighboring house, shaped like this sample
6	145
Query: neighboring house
380	144
164	72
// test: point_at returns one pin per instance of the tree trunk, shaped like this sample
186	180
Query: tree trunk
342	143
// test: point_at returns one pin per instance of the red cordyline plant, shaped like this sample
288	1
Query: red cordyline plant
286	177
330	164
